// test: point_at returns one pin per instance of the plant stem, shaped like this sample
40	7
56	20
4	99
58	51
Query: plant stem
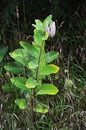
33	90
37	73
32	109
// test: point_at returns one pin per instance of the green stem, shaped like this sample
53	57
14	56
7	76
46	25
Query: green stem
37	73
33	90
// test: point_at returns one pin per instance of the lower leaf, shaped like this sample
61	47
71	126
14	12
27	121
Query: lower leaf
41	108
47	89
21	103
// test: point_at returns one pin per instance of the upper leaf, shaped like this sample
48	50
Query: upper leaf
21	55
39	37
39	25
48	69
32	50
47	20
50	56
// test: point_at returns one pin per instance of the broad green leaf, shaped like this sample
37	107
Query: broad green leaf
21	103
32	50
14	67
47	20
31	83
47	89
21	55
8	87
39	25
3	51
50	56
19	82
33	64
39	37
41	108
48	69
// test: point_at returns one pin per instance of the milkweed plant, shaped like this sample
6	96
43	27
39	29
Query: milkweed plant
31	65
